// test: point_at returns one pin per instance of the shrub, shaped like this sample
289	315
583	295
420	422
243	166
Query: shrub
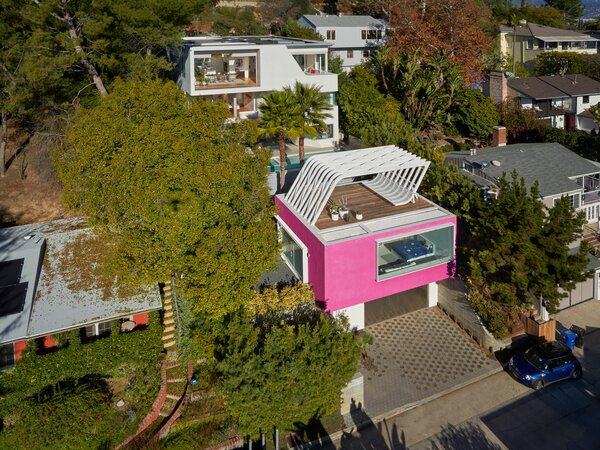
490	314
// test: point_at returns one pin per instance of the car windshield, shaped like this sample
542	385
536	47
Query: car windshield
533	356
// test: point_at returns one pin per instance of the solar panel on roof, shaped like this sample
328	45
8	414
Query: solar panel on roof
10	271
12	299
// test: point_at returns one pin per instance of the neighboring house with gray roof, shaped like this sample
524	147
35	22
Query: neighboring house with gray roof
51	281
562	102
559	173
352	38
528	40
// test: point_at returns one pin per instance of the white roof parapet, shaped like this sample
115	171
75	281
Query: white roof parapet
398	174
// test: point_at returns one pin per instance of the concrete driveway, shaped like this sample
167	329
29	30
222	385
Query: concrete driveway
417	356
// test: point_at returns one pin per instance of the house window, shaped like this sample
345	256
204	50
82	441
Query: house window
366	53
529	44
97	330
414	252
370	34
326	133
590	44
292	253
350	54
573	201
7	356
331	35
586	99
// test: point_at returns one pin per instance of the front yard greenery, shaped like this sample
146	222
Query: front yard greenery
65	399
281	369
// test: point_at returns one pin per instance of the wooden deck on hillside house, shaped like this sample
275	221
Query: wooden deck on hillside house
359	197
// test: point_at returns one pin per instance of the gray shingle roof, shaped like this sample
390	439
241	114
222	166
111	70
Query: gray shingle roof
546	87
61	299
545	33
343	21
550	164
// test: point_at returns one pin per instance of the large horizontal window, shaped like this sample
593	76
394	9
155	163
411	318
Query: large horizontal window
418	251
292	253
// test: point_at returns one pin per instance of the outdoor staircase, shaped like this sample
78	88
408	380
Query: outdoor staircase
168	337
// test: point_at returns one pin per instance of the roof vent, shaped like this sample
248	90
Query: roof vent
484	165
496	163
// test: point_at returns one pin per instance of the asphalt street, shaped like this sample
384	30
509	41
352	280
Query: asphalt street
565	415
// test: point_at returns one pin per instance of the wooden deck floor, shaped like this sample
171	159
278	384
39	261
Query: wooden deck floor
364	199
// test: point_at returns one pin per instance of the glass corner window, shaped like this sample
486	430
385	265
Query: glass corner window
418	251
292	253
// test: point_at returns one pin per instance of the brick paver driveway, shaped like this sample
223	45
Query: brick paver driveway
417	355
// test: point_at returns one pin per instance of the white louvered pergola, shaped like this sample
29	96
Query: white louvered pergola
398	174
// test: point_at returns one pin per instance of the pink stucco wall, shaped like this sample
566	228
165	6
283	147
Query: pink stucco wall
344	273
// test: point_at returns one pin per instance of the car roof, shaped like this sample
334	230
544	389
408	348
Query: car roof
553	349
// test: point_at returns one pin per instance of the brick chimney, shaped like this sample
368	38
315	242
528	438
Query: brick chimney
498	136
498	87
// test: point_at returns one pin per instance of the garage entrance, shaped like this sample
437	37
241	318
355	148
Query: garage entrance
395	305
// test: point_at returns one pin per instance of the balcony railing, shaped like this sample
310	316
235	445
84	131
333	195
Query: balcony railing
548	109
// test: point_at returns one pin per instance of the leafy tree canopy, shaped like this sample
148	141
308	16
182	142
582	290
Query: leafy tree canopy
475	114
572	9
520	248
287	370
235	21
457	28
168	183
291	28
564	63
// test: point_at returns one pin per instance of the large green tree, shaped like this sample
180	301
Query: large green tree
425	87
572	9
280	118
175	191
285	368
519	247
87	43
474	114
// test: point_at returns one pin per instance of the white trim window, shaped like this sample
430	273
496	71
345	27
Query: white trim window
97	330
330	35
293	252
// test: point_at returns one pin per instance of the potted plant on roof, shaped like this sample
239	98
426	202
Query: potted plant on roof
343	209
333	211
358	214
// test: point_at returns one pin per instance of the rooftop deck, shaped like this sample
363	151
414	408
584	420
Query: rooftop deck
372	206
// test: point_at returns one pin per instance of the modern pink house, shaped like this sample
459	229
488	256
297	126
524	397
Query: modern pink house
354	227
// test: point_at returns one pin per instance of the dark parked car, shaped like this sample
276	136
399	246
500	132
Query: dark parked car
544	364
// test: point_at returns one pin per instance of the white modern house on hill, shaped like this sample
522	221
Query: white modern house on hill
352	38
240	70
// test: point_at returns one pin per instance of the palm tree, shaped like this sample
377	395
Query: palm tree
280	116
313	106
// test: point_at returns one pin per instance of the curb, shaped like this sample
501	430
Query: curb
402	409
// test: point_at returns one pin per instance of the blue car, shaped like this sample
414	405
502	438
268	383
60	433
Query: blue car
544	364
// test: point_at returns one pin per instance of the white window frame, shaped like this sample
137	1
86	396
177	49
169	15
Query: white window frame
380	242
330	35
349	53
304	276
585	99
97	328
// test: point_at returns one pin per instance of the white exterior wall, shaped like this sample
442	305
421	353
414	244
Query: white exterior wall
581	107
276	68
355	315
349	38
